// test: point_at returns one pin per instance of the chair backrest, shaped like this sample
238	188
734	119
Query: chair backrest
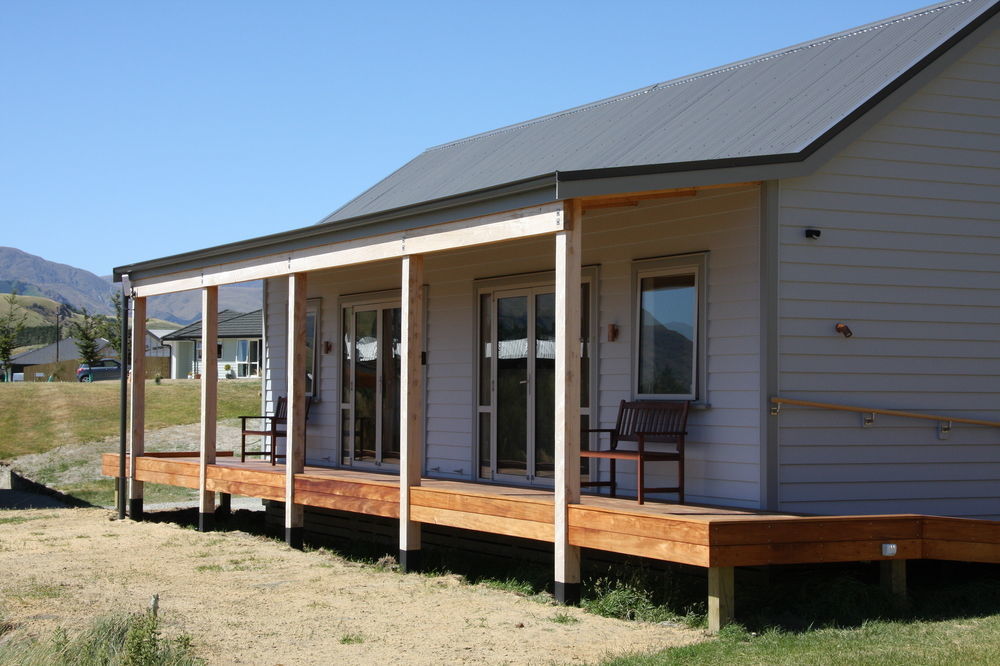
652	416
281	407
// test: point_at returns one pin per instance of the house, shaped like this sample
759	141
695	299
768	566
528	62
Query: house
64	350
805	244
238	347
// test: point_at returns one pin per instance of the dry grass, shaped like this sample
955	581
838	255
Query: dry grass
38	417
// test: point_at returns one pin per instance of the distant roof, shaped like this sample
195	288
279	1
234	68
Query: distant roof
231	325
782	104
67	351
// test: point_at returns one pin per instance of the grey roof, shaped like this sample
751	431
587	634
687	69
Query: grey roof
780	105
232	324
764	116
67	351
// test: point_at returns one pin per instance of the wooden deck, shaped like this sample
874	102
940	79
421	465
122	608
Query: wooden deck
689	534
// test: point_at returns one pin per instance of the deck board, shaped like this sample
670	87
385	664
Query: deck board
707	536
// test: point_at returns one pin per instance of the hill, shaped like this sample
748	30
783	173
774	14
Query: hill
31	275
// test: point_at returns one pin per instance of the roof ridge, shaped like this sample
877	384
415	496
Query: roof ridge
722	69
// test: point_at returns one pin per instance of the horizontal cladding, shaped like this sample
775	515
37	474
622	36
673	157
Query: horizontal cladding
724	448
909	258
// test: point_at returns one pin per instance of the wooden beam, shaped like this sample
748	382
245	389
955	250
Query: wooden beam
721	597
567	400
411	428
137	403
892	577
209	402
295	443
623	199
496	228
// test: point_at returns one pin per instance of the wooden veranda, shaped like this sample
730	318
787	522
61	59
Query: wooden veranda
717	538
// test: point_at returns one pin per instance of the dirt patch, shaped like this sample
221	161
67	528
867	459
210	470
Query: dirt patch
249	600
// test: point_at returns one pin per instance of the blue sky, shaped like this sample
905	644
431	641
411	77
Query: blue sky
135	130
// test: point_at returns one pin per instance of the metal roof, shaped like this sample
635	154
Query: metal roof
780	104
67	351
232	324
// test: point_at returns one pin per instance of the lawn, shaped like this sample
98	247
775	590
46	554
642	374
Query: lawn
39	416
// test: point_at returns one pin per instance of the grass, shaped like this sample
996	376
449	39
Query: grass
351	639
126	640
101	492
40	416
876	643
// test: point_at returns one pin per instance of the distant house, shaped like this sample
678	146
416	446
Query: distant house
239	346
64	350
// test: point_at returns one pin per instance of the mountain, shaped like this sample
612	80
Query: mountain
34	276
31	275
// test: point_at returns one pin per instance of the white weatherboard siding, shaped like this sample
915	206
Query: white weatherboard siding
723	450
909	258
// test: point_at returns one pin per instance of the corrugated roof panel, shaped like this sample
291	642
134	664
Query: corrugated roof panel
776	104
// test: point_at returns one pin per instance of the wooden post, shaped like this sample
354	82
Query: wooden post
892	576
567	400
209	403
225	508
137	409
411	430
721	597
295	441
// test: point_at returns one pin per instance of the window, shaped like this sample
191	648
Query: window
669	339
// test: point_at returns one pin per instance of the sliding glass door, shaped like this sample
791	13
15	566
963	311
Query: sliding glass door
517	383
370	408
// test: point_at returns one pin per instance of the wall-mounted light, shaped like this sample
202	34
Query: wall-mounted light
327	346
844	330
612	332
813	234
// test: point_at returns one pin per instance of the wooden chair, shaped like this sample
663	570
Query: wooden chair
272	427
645	422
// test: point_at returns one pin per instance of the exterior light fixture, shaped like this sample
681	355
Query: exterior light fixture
813	234
844	330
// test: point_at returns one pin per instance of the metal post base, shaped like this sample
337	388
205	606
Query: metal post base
135	508
409	561
293	537
567	593
206	522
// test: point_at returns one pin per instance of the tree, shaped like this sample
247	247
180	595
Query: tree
111	327
11	325
86	331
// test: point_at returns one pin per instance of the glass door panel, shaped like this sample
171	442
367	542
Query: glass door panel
365	384
544	387
512	386
389	343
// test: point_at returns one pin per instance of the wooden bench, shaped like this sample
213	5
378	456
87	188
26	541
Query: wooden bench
645	422
273	427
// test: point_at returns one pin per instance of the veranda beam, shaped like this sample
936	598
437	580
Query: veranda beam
412	408
567	401
497	228
209	403
137	408
295	442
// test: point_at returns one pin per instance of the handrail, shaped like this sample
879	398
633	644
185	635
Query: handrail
887	412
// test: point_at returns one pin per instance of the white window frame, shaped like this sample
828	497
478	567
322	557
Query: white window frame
686	264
